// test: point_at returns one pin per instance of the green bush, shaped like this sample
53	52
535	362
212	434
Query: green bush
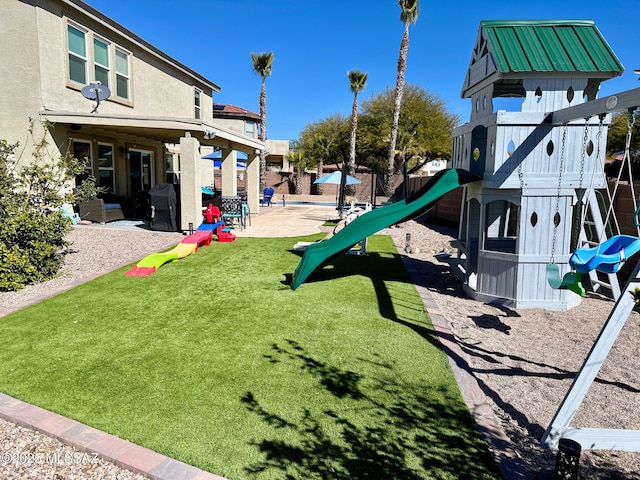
32	227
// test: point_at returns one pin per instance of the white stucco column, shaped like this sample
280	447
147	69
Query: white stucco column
229	172
190	178
253	183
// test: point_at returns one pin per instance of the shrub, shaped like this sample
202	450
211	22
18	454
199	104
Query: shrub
32	227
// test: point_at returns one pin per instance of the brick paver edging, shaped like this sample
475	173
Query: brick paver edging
86	439
499	444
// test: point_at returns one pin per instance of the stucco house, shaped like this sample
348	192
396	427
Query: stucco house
65	46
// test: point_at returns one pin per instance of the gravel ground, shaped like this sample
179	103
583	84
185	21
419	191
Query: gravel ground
523	360
94	250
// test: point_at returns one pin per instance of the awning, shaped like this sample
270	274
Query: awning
167	130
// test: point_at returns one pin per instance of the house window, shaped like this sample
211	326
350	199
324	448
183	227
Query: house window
172	167
196	101
250	129
77	43
106	172
82	151
94	58
122	74
101	61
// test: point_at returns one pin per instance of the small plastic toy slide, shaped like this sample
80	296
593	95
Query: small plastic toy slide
189	245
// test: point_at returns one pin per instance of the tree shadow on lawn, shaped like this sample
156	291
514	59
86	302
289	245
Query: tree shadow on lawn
399	430
517	425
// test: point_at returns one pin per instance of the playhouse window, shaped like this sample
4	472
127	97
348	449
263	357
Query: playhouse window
501	226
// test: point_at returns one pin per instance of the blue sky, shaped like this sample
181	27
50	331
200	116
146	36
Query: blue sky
315	43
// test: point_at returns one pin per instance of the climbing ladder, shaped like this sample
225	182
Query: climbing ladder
592	234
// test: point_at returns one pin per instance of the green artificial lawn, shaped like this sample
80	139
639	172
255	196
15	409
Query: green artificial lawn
215	361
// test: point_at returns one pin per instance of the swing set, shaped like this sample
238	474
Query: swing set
608	256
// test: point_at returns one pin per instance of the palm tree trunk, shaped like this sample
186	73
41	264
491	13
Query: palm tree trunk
297	185
402	66
263	135
351	166
318	186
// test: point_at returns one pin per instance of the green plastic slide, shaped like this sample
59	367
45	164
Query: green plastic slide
319	253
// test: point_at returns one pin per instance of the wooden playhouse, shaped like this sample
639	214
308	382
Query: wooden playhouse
540	165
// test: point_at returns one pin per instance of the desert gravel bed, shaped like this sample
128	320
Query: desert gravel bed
94	250
524	360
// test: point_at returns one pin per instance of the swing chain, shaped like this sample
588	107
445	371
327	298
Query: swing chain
631	117
632	113
580	192
555	219
520	176
585	138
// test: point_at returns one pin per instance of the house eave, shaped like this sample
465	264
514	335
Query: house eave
167	130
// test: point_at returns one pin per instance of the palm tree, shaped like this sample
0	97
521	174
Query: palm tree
408	16
357	82
262	66
323	146
300	162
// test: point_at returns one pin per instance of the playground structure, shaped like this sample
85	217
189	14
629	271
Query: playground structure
152	262
188	246
540	166
319	253
522	239
214	222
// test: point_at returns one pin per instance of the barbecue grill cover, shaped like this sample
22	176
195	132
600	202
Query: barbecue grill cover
162	199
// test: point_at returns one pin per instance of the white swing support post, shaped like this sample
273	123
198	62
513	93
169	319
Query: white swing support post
596	438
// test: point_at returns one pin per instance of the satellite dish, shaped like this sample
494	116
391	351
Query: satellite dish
97	92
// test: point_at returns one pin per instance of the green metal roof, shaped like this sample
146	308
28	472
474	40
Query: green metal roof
550	46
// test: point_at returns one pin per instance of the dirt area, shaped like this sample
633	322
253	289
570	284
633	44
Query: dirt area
525	362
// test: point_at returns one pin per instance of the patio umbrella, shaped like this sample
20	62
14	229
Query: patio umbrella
336	177
217	159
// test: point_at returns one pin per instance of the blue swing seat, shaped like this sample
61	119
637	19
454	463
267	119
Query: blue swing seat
607	257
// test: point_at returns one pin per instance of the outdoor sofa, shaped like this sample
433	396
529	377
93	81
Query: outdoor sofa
97	210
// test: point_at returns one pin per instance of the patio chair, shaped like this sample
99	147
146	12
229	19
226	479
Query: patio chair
232	210
246	212
267	194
